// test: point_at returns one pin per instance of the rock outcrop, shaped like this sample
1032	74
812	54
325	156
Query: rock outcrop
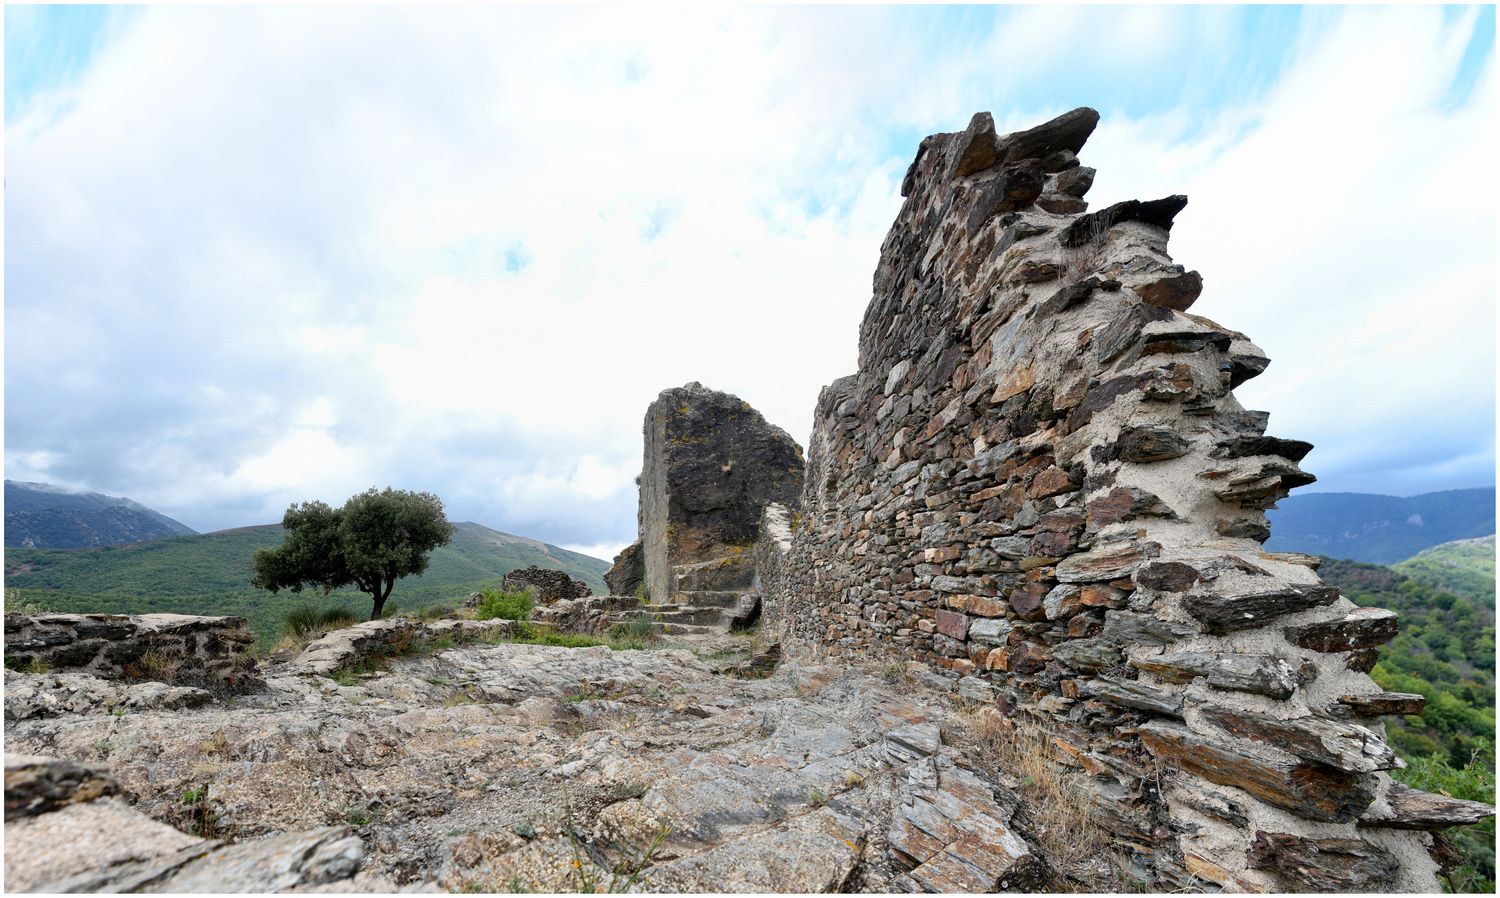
627	576
66	830
545	584
1040	484
517	767
181	649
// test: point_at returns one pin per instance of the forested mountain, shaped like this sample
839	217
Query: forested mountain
44	516
1379	529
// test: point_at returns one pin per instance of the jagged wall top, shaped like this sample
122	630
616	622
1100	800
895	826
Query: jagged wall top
1040	483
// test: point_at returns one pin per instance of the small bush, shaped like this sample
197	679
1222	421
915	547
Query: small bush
514	606
633	632
306	622
642	593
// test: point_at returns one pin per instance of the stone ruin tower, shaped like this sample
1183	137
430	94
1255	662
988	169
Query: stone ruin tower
712	464
1040	483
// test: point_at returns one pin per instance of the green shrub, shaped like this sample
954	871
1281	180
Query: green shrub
638	628
307	622
514	606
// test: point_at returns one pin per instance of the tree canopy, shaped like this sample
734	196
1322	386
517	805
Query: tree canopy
375	539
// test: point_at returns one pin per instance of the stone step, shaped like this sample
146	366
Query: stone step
719	598
732	572
689	614
688	629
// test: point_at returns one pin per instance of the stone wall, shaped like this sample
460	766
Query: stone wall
1040	483
545	585
183	649
712	464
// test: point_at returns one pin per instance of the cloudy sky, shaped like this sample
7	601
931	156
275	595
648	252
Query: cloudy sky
261	255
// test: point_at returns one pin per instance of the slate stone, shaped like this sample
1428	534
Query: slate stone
1381	704
1157	213
1126	504
1167	576
1016	187
1259	674
1130	694
979	146
1133	627
1226	614
1177	291
1107	562
1310	790
1068	131
1336	743
1152	443
1361	628
1247	446
1410	808
1324	865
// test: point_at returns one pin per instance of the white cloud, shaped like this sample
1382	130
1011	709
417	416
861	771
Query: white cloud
283	253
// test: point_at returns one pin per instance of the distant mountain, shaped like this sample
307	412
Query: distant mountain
1379	529
210	574
44	516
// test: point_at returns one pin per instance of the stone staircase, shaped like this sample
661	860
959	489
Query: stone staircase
709	597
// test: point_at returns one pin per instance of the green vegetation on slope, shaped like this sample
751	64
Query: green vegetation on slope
1464	567
1445	650
210	574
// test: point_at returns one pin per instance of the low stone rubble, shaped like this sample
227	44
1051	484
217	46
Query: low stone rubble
181	649
545	585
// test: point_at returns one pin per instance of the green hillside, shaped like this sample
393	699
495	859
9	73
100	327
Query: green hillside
210	574
1464	567
1445	650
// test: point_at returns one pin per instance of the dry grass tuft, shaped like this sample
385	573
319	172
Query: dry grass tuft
1055	809
1080	261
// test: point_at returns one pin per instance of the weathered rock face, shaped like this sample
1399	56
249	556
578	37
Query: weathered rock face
1039	482
55	807
545	584
712	464
518	768
628	573
203	652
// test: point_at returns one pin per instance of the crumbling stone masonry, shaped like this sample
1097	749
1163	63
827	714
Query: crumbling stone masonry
545	585
183	649
711	466
1039	483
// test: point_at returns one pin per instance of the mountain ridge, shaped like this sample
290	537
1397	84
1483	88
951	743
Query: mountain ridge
47	516
1379	529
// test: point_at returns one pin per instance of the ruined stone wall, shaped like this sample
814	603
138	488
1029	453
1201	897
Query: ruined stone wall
546	585
183	649
712	464
1040	483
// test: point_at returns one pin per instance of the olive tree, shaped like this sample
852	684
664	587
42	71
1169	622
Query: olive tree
377	538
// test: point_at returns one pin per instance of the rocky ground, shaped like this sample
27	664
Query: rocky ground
514	767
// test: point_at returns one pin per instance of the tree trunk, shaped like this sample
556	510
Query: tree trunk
381	592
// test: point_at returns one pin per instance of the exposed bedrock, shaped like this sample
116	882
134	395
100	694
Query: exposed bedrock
1040	484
